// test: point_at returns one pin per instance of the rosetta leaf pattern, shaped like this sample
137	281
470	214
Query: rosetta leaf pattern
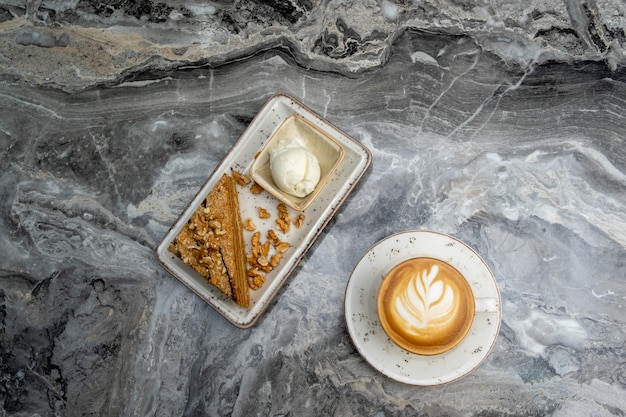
424	295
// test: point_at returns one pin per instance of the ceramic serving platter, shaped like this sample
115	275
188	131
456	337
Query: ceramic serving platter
355	161
369	337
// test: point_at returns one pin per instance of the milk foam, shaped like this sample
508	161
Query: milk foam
426	300
425	306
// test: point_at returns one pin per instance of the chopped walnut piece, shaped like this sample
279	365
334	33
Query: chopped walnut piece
263	213
282	225
299	220
241	179
278	244
271	235
275	259
284	219
256	244
282	208
282	247
265	249
256	189
256	282
249	225
256	279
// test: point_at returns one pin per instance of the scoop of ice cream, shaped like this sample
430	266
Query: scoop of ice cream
294	168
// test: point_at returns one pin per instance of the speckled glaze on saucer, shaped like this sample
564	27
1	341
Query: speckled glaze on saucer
387	357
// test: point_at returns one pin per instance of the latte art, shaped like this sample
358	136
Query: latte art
425	300
425	306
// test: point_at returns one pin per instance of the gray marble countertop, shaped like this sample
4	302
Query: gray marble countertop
501	124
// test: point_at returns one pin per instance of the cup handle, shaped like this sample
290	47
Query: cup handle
487	305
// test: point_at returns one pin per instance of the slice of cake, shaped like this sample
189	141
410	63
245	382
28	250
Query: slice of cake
212	242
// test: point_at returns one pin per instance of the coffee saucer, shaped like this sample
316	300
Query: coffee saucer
368	335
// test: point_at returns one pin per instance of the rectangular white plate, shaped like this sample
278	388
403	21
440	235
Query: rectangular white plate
317	215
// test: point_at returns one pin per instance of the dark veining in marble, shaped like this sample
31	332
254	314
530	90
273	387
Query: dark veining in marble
91	43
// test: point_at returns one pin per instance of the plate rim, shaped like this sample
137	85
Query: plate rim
378	365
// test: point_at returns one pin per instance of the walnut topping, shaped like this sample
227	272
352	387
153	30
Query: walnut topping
241	179
273	237
256	278
256	245
279	245
299	220
284	219
249	225
196	244
261	260
282	247
263	213
282	225
275	259
256	189
212	242
265	249
266	255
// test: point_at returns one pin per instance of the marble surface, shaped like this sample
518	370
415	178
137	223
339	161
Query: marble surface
500	123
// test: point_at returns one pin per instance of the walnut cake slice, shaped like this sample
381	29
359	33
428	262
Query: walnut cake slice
212	242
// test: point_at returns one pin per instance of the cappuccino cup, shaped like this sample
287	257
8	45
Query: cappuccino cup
426	306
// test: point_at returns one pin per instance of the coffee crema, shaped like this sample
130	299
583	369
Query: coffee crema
425	306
